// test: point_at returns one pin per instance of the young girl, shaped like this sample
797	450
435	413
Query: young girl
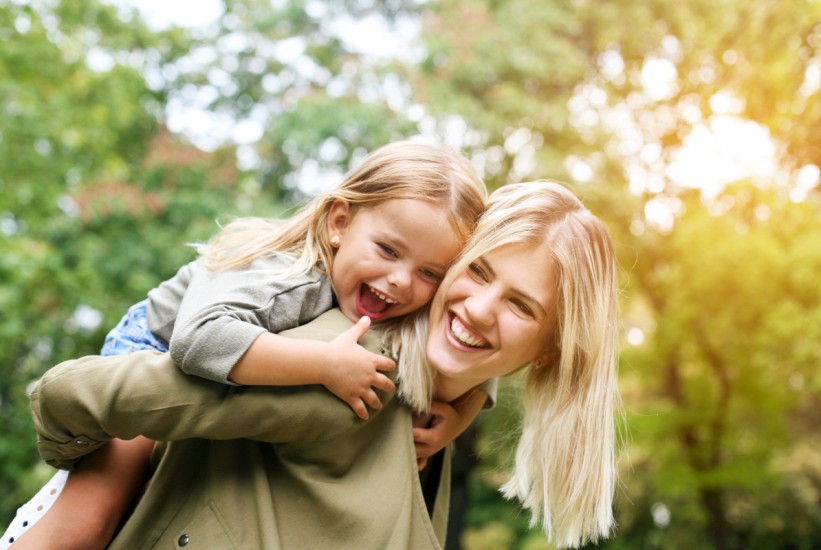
377	246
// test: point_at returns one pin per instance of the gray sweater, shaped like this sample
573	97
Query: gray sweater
211	318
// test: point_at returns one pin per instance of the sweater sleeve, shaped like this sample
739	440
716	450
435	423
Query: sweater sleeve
222	313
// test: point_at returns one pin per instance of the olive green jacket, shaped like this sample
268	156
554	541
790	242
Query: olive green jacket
306	473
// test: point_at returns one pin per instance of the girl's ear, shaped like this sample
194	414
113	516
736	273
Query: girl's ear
338	218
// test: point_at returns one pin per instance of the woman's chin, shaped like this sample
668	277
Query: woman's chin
448	367
441	360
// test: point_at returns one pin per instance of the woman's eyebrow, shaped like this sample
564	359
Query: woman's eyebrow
519	292
486	265
528	298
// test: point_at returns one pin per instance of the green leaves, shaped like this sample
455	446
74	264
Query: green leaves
98	201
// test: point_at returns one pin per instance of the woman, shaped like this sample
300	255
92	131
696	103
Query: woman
536	287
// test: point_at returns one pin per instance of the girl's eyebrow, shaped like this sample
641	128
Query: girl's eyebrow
519	292
394	238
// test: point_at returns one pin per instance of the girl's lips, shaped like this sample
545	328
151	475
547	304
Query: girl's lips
463	335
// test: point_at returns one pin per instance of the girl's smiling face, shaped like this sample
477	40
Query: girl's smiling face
496	316
390	257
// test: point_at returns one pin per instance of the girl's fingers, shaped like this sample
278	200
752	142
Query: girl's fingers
359	409
383	383
385	364
372	400
359	329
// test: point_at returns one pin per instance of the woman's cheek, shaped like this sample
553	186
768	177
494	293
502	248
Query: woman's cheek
460	288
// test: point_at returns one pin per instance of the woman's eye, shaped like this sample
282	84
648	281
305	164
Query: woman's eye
523	308
477	272
388	251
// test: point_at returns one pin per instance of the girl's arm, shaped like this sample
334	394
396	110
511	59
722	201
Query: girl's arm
226	328
345	368
96	496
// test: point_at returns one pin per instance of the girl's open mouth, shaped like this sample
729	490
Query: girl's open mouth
374	303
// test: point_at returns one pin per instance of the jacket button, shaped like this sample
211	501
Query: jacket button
183	540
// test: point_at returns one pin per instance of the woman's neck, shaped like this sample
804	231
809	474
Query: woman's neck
449	389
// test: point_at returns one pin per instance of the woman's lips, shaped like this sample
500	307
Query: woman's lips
464	335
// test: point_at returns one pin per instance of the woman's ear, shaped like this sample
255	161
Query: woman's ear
338	218
547	357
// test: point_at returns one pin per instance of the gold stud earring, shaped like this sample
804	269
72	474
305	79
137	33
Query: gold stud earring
335	241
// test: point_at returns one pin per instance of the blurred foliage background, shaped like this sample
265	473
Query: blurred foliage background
692	127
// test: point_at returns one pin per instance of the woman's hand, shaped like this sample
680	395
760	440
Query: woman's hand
447	422
444	426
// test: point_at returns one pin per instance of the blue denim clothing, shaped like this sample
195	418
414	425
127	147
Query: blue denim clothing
132	334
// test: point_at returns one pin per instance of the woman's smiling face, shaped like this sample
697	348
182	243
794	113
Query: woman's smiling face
496	316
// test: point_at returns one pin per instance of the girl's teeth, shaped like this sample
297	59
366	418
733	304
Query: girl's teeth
382	296
463	335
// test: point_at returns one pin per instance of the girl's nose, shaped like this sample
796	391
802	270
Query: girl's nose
400	278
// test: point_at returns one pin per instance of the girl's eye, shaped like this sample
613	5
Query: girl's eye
388	251
431	276
477	272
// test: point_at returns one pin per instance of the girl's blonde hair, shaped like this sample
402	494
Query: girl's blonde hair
400	170
564	470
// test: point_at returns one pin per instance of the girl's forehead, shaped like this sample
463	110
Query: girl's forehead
421	224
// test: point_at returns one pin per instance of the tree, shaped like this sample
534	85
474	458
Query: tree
63	123
97	202
727	373
604	95
288	69
98	199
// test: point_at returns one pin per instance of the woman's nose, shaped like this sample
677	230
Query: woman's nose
479	307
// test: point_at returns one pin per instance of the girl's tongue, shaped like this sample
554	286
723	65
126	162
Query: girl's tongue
370	304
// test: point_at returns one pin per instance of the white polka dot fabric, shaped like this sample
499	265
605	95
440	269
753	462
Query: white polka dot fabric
29	513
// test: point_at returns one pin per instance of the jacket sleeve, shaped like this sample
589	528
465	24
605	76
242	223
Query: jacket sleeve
80	404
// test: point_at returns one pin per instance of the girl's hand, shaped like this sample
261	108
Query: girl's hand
355	373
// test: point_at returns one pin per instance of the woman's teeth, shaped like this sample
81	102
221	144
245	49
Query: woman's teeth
381	296
461	334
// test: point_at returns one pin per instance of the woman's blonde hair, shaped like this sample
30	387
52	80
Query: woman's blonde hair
564	470
400	170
